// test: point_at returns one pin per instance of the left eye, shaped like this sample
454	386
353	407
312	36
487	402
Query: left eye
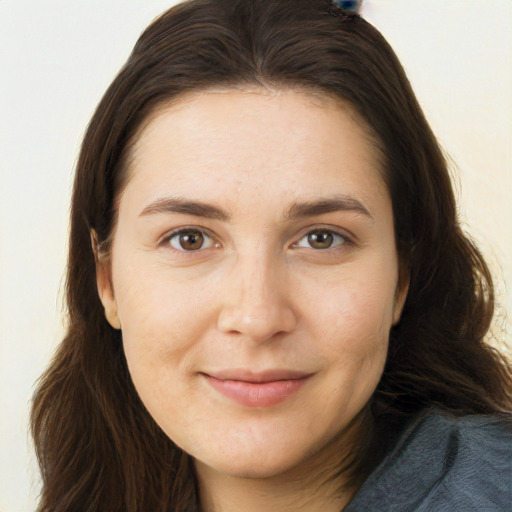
190	240
321	239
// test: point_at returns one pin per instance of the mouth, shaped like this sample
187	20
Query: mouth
262	389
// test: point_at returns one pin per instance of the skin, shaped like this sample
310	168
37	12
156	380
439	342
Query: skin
259	294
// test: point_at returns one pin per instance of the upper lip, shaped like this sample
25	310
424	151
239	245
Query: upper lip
271	375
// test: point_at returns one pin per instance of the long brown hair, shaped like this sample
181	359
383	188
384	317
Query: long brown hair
98	448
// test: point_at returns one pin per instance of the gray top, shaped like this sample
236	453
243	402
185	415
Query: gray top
442	463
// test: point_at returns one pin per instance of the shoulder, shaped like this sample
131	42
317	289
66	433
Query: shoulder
444	463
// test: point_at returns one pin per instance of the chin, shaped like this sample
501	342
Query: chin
261	462
254	470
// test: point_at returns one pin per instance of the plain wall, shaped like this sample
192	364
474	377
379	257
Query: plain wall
56	60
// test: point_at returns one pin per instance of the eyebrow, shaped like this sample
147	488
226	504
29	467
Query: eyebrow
185	206
296	210
327	205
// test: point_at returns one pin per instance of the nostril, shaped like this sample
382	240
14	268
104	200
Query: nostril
258	325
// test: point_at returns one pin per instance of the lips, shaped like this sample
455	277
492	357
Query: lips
263	389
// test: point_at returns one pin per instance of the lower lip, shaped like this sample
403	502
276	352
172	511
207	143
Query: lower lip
257	394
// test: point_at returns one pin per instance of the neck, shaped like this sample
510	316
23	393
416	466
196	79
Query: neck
258	495
320	484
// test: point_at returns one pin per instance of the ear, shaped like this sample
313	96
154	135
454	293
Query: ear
104	283
402	288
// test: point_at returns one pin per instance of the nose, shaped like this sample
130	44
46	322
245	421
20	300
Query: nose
256	302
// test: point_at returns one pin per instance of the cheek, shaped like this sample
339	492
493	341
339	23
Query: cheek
161	318
150	295
352	324
354	306
160	333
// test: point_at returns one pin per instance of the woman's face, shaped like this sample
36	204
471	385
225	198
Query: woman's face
254	276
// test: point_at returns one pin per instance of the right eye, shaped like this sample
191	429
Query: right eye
187	240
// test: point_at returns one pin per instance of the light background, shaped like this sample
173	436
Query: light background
58	57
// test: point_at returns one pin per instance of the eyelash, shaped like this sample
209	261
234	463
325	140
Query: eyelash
182	231
343	239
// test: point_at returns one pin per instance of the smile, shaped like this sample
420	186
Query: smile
257	390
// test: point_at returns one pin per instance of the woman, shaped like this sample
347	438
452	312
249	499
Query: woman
271	303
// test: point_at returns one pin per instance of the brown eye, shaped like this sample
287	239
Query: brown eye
190	240
320	239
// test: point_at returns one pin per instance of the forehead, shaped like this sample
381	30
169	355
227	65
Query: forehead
229	142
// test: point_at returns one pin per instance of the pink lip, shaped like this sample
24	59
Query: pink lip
257	389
